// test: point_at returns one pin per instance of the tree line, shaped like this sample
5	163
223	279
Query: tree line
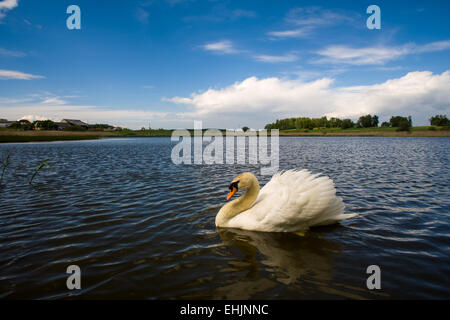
367	121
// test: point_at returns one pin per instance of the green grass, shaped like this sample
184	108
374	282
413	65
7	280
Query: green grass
142	133
14	138
8	135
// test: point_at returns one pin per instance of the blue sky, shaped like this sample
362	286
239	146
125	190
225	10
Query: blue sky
228	63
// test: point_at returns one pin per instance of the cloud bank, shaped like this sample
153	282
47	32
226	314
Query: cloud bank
257	101
221	47
420	94
17	75
341	54
7	5
274	59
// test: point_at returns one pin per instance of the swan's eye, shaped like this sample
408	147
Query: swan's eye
234	185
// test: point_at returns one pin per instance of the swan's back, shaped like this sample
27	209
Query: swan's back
293	201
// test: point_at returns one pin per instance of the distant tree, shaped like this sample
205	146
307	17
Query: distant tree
311	123
367	121
74	128
386	124
245	129
21	125
45	125
15	125
334	123
397	120
405	124
347	123
100	126
305	123
439	120
375	121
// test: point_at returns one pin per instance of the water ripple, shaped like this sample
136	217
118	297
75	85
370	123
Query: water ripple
141	227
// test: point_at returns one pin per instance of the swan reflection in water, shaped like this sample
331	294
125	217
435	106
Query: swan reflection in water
285	261
289	259
289	255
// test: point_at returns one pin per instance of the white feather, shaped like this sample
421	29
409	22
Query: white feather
292	201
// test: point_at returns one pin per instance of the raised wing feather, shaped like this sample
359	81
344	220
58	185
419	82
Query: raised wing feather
292	201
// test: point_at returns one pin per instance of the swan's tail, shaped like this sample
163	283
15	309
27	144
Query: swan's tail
334	220
346	216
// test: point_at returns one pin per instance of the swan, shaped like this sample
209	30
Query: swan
292	201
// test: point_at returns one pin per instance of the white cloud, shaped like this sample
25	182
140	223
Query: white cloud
294	33
342	54
53	101
317	17
433	46
305	20
11	74
284	58
222	47
360	56
420	94
10	53
255	102
33	117
7	5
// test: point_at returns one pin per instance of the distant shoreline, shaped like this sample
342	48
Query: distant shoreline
369	134
42	136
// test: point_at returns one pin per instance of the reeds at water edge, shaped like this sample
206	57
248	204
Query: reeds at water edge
5	164
43	164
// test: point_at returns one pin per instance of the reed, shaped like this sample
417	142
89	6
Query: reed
5	164
43	164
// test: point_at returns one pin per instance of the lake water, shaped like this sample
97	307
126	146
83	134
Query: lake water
141	227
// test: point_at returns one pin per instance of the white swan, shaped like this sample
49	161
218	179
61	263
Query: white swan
292	201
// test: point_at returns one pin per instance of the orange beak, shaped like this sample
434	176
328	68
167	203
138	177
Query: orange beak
233	191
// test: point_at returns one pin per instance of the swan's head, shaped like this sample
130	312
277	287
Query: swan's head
242	181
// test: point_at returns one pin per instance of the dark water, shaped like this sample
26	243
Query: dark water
141	227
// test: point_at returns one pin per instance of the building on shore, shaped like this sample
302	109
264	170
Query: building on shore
62	125
72	122
5	123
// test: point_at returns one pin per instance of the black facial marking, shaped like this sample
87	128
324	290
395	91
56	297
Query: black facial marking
234	184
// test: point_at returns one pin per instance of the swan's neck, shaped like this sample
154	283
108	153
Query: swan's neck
233	208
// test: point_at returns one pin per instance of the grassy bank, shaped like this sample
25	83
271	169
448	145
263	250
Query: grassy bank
31	136
17	138
423	131
8	135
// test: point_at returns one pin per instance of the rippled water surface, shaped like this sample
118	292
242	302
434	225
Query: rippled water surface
141	227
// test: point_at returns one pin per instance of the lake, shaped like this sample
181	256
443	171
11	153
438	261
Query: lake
141	227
